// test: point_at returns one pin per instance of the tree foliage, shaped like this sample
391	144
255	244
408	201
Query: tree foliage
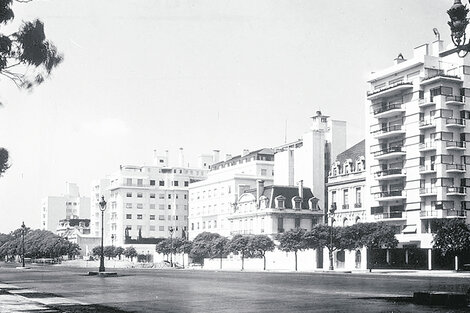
292	241
201	246
109	252
259	245
240	244
164	247
130	252
26	56
452	237
3	161
119	252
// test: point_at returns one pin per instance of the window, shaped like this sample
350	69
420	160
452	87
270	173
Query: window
185	197
152	217
263	172
139	216
129	227
161	183
152	182
152	206
297	223
358	196
129	181
175	183
128	216
203	225
139	182
215	223
128	205
152	196
176	196
169	206
161	228
139	195
186	183
129	194
161	196
140	206
161	207
192	226
152	228
345	196
176	217
280	225
169	196
161	217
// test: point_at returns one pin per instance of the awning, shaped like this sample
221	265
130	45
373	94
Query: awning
409	229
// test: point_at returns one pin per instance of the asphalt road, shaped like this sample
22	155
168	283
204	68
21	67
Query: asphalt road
206	291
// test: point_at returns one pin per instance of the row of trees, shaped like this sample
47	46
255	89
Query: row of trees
37	244
112	252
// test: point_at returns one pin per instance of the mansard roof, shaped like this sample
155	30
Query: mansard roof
354	153
289	192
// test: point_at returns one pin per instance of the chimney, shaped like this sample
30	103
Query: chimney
216	156
301	189
399	59
259	189
436	47
181	158
228	157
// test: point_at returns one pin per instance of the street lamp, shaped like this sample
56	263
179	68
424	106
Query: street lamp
23	229
171	230
458	23
331	215
102	204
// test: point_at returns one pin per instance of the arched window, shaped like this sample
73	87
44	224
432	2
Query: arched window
358	219
345	222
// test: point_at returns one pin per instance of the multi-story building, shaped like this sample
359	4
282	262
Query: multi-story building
309	158
271	210
67	206
213	200
346	186
144	202
416	146
77	230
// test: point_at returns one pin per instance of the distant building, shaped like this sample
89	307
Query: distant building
309	158
68	206
272	210
77	230
213	200
346	186
144	202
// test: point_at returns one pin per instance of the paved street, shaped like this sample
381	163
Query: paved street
62	289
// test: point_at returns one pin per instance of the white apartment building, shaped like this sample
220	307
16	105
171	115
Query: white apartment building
416	144
67	206
309	158
144	202
346	186
213	200
271	210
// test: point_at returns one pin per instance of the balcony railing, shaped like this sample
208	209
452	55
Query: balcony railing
427	168
456	144
456	167
358	205
388	215
455	99
457	190
373	92
388	151
427	191
456	213
389	194
455	121
385	130
427	146
387	107
345	206
388	172
426	123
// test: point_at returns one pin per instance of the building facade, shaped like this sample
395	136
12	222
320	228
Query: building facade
347	185
144	202
309	158
67	206
213	200
416	145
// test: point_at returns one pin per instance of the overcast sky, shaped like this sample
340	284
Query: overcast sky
140	75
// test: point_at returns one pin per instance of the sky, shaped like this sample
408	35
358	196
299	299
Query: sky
144	75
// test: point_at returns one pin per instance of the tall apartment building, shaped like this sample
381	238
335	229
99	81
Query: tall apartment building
309	158
416	146
67	206
144	201
347	186
213	200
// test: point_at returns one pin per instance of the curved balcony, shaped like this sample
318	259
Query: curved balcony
390	131
389	195
456	191
441	77
455	100
387	110
432	214
427	192
389	174
389	215
427	146
456	145
389	90
389	153
455	122
427	169
426	103
456	168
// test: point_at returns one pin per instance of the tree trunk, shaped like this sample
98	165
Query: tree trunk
330	255
220	262
243	262
183	260
264	261
295	254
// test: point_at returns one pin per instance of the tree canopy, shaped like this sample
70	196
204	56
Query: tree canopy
452	237
201	246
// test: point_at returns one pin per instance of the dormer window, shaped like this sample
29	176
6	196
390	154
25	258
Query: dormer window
313	204
263	202
280	202
297	202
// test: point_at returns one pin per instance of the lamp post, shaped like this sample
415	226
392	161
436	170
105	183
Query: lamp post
458	23
171	245
23	229
102	204
331	215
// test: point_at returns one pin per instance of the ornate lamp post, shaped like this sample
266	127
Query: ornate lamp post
458	23
331	215
102	209
23	230
171	230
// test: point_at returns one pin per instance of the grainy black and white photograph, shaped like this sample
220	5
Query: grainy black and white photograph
234	156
